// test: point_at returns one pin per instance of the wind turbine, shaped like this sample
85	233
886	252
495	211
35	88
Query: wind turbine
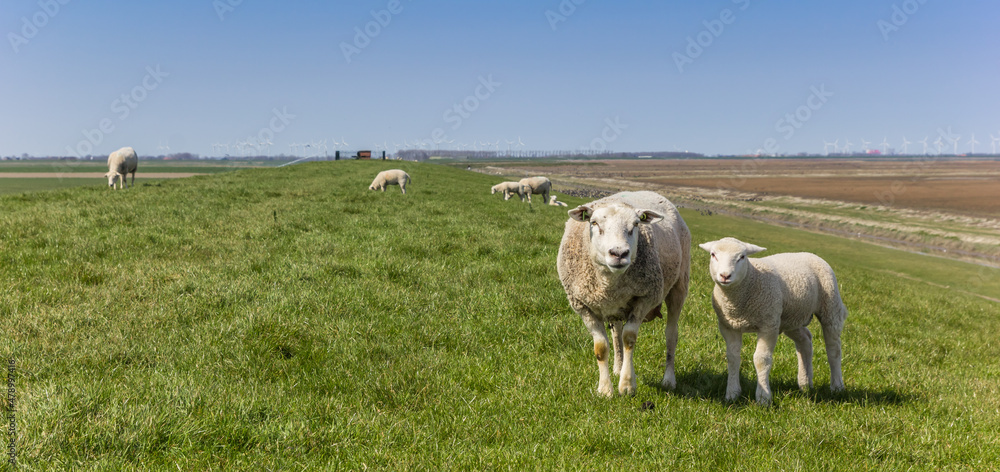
940	144
905	144
954	142
343	141
826	147
847	147
924	142
885	145
972	142
993	142
864	145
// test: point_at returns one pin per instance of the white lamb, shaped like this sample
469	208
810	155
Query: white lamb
510	189
769	296
554	202
120	163
539	186
390	177
620	258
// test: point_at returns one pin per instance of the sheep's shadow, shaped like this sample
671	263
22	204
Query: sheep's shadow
706	384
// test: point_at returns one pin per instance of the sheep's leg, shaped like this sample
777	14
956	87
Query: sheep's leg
600	336
734	342
832	321
675	302
831	336
627	383
402	188
763	359
804	351
133	179
616	341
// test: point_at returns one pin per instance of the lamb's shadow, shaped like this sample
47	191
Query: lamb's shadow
707	384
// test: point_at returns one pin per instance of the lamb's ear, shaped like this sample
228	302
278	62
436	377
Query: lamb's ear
707	246
754	249
648	217
581	213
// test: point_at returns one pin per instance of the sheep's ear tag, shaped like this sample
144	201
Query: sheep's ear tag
584	215
643	217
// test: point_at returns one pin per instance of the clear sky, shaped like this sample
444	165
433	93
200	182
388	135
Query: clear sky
77	75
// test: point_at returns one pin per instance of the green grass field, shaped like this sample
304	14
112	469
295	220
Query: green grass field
66	170
277	319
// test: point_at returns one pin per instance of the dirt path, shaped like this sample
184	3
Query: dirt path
90	175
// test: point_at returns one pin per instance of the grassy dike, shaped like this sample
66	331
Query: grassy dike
291	319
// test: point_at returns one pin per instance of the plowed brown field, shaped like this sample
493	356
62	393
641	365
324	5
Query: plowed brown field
965	187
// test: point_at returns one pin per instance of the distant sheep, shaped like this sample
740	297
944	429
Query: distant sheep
554	202
510	189
769	296
390	177
120	163
539	186
620	258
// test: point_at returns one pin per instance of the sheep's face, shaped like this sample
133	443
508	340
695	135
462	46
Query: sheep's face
112	178
614	233
493	190
729	263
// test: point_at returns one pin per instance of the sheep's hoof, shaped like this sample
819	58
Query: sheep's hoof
668	383
626	388
732	395
763	398
604	390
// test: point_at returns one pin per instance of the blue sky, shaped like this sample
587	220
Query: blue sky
80	77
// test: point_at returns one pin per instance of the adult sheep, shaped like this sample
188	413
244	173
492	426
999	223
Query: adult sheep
769	296
620	258
510	189
120	163
390	177
539	186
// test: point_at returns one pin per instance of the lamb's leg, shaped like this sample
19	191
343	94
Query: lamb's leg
831	336
616	341
600	336
804	351
734	342
763	359
402	188
630	332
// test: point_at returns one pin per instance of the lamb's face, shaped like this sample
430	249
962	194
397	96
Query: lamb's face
729	263
614	233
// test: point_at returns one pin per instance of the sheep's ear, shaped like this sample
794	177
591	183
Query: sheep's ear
754	249
649	216
707	246
581	213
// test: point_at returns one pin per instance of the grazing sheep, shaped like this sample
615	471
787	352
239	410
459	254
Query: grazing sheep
539	186
120	163
769	296
620	258
511	188
390	177
554	202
